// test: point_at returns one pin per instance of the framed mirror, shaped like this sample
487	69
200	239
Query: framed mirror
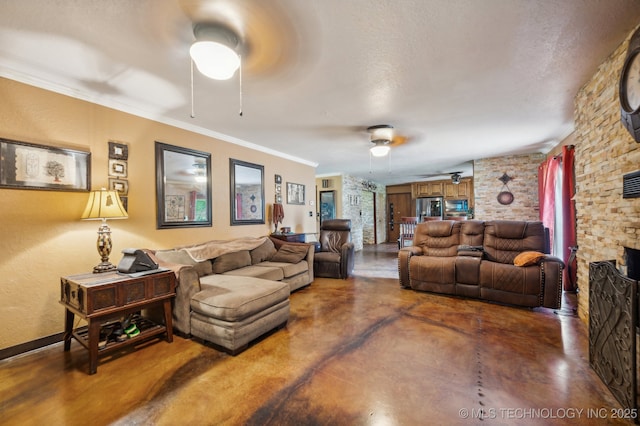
183	187
247	192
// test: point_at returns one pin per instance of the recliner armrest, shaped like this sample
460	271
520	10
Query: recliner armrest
414	250
549	258
187	285
551	268
347	259
404	256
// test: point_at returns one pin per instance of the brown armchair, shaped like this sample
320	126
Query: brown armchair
336	255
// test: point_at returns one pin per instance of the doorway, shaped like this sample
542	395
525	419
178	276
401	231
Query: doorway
398	205
368	215
327	205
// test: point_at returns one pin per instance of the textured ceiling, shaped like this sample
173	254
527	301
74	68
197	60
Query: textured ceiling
458	79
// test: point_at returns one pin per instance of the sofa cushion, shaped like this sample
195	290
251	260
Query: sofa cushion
438	238
504	240
182	257
290	253
232	298
230	261
441	228
430	273
507	283
289	269
255	271
326	257
472	233
510	228
263	252
528	258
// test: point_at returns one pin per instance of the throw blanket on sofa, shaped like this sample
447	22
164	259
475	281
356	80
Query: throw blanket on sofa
215	248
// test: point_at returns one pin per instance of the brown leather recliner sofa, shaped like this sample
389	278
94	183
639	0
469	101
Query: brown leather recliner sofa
476	259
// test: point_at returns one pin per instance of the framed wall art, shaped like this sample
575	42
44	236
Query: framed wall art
295	193
118	151
25	165
118	168
120	185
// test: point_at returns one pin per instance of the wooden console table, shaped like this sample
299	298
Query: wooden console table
290	237
98	298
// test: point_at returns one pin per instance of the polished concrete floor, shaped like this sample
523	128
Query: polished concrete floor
359	351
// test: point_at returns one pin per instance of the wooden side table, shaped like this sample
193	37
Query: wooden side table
290	237
98	298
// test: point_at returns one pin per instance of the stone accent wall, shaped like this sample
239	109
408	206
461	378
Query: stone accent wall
357	205
366	202
604	152
524	187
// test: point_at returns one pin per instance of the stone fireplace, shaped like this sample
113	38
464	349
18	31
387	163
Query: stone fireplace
632	263
604	154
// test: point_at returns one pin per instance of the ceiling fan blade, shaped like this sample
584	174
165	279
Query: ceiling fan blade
268	39
398	140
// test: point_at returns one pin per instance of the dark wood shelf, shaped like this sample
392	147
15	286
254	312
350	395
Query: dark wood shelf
148	329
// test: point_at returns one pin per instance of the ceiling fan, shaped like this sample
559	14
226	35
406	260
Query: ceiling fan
383	138
455	176
263	34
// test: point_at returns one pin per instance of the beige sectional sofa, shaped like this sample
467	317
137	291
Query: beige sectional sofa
231	292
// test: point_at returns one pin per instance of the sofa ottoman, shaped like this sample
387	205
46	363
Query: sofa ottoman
231	311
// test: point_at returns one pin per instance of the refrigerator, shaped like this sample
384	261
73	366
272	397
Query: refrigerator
430	207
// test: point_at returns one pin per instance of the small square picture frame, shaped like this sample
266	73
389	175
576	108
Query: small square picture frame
278	179
120	185
118	168
118	151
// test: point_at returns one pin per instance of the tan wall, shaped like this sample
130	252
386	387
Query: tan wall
42	235
604	152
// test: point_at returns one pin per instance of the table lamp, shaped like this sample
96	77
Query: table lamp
104	205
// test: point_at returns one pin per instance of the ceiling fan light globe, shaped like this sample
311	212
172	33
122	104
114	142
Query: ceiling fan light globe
214	60
379	150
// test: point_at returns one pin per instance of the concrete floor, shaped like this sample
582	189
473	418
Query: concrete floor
359	351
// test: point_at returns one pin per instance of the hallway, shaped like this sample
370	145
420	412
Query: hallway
359	351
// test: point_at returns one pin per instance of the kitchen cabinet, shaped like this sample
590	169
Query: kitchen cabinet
427	189
457	191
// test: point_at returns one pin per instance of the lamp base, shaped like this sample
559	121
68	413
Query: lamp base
104	267
104	249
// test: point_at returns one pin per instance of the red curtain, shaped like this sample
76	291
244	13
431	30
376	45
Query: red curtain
553	203
569	215
547	180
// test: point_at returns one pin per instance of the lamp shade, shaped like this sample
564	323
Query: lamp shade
214	60
214	51
103	204
380	149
